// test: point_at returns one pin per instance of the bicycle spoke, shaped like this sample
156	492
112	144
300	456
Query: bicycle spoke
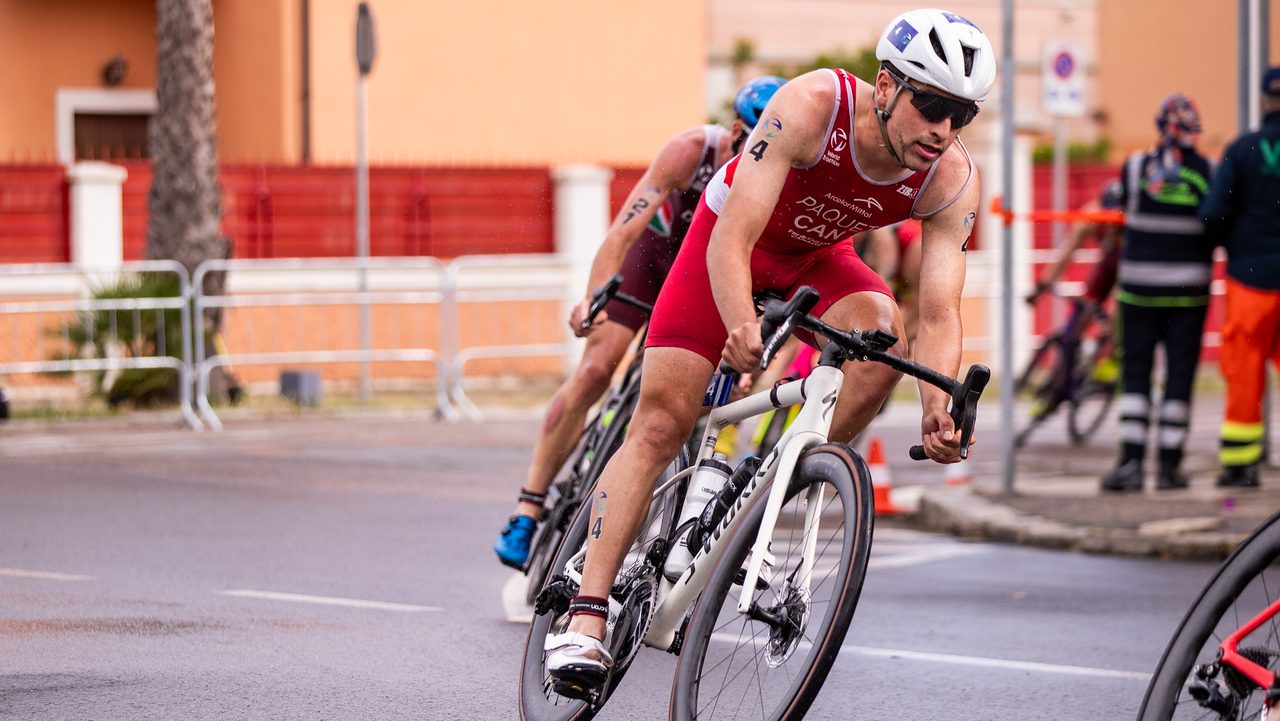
728	662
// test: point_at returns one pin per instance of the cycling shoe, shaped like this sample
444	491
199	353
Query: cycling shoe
512	545
578	665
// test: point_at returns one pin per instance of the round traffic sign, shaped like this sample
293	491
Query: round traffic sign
1064	64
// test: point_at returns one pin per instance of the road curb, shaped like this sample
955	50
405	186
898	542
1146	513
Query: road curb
961	512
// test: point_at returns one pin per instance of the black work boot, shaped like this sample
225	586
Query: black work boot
1124	478
1170	478
1239	476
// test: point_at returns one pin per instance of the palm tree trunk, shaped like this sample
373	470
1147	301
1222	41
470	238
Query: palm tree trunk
185	202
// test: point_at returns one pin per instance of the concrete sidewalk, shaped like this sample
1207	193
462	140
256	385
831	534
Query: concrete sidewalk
1057	503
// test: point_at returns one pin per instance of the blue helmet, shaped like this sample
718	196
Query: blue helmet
752	97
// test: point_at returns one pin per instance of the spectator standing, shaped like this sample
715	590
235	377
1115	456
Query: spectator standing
1243	209
1166	265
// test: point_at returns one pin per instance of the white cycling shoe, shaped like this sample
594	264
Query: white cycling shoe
578	664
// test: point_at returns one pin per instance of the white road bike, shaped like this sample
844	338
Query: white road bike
779	556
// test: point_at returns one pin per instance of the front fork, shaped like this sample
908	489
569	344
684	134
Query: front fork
760	550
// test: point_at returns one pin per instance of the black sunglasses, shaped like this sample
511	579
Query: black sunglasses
936	108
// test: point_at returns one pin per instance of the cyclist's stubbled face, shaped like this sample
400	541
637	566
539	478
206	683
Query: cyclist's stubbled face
917	141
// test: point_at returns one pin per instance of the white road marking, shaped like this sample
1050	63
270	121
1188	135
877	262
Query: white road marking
924	554
329	600
513	603
998	663
123	443
44	575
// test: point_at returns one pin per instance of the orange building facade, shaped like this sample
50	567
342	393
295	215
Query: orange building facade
480	83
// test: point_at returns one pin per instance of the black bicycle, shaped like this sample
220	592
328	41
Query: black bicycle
1073	366
601	437
1221	663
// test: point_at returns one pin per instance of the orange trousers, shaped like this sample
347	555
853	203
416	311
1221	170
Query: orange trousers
1250	336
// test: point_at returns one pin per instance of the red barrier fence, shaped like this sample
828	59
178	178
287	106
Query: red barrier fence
33	214
300	212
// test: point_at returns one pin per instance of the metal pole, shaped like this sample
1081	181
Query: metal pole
1008	73
1244	62
362	231
1059	194
365	52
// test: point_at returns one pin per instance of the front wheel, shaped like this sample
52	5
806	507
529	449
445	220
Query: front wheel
1089	409
771	662
1188	684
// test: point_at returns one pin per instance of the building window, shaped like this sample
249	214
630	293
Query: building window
108	125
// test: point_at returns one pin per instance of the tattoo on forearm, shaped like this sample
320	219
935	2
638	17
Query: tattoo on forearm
968	226
651	194
599	513
636	209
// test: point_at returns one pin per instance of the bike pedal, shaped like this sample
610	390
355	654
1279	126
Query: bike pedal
577	689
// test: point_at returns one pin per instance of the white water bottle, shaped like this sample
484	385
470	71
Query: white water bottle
703	486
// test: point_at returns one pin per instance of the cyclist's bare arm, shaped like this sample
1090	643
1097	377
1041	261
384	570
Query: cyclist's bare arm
942	271
672	169
791	132
1079	232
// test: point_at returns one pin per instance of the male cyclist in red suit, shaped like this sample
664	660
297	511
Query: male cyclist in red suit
831	157
642	243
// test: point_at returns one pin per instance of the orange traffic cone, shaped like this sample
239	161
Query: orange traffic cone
881	481
958	474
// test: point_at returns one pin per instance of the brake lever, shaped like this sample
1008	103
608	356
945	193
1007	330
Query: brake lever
964	409
965	414
599	299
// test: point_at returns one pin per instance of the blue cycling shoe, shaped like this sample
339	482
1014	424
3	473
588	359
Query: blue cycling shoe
512	545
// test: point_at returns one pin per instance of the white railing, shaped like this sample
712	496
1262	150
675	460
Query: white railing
411	286
413	290
33	294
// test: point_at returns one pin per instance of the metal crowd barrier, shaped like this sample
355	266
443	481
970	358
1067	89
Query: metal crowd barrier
495	278
63	290
285	286
410	282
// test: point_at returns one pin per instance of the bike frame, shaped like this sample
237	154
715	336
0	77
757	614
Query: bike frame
1264	678
818	392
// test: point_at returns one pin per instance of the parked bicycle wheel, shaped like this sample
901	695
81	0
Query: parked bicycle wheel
770	663
1094	395
1041	367
1044	381
1247	583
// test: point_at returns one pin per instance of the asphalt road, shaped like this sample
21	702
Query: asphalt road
326	567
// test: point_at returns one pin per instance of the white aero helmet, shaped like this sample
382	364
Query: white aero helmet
941	49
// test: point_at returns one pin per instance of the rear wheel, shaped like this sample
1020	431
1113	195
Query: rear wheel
771	662
1043	382
631	607
590	457
1092	402
1188	683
